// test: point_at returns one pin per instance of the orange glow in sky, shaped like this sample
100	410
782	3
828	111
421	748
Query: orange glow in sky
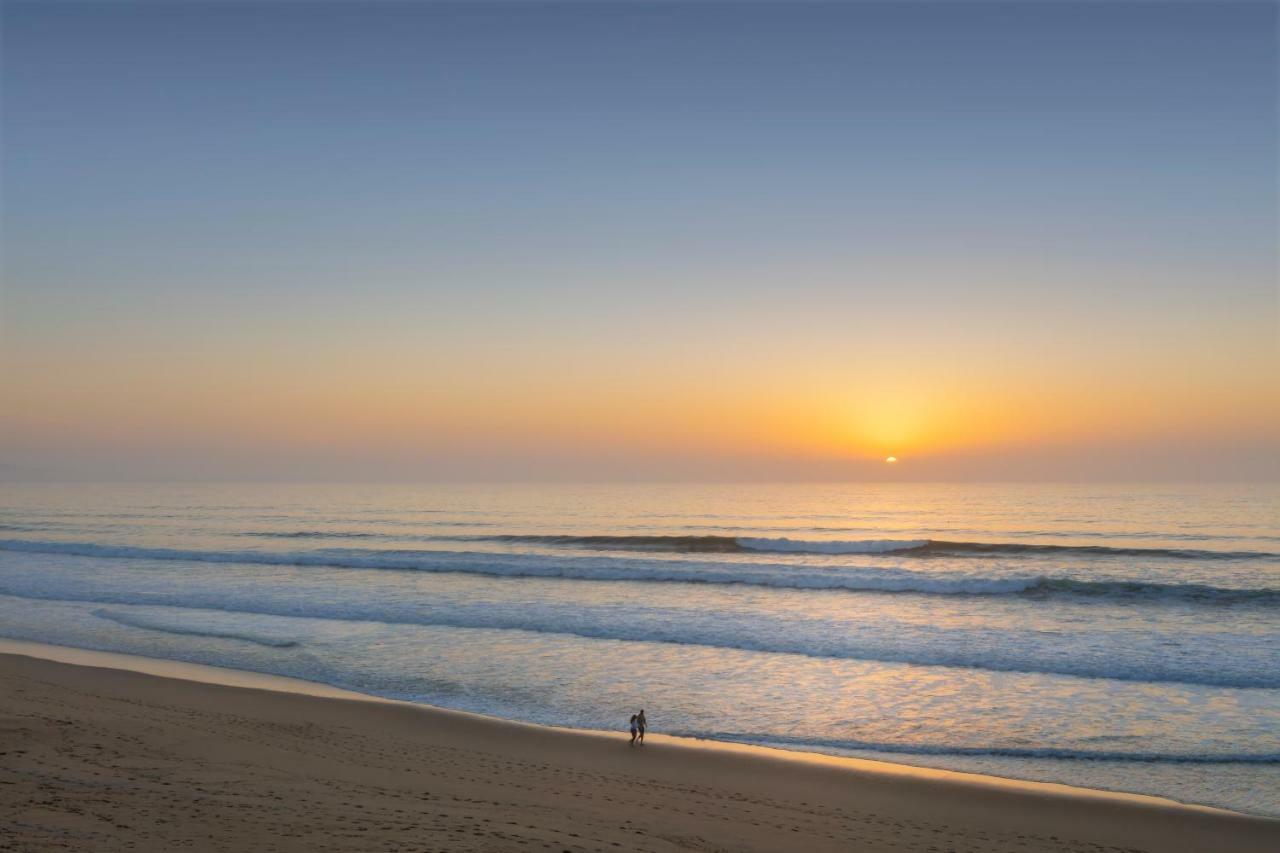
478	262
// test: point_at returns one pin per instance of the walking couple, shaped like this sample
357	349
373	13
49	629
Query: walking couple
637	727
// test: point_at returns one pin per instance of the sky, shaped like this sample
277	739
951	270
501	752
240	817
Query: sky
709	240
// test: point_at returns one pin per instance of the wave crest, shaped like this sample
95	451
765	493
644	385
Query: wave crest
896	547
205	617
778	576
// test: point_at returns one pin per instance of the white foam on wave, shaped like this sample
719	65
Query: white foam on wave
780	576
783	545
247	613
612	568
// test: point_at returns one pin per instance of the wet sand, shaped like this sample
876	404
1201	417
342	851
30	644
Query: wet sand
104	759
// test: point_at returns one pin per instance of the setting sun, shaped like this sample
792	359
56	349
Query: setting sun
891	459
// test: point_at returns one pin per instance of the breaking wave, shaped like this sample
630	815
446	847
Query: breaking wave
772	575
900	547
203	615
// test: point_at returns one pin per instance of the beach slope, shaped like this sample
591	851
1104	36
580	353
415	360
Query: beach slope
104	759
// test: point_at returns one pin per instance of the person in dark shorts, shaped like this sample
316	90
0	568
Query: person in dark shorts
633	730
640	724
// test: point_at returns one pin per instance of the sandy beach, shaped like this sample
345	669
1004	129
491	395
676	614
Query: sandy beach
99	758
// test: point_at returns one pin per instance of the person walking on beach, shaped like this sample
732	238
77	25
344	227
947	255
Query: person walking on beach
633	730
640	724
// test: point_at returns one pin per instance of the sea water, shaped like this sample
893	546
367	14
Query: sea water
1120	636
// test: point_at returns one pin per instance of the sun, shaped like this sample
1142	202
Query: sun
891	459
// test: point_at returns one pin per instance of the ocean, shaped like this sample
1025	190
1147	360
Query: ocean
1124	637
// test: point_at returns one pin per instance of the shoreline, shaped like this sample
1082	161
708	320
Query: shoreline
248	679
229	677
728	775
